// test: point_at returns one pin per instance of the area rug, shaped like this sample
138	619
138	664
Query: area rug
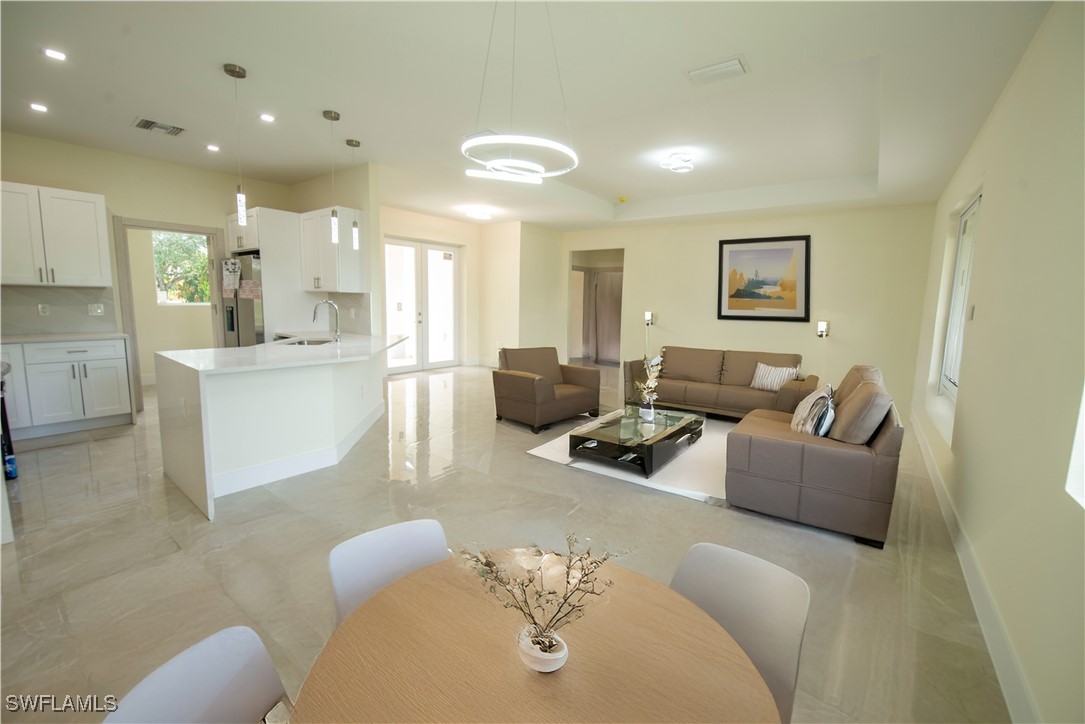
696	472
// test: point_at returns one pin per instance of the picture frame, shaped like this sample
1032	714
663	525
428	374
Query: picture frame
766	279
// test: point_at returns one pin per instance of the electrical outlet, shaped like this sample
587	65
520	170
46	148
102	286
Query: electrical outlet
95	310
43	310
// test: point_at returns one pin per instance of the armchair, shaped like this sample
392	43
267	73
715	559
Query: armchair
531	387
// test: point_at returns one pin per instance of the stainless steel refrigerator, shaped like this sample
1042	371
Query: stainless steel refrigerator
243	311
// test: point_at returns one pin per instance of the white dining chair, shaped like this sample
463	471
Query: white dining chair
366	563
761	605
227	677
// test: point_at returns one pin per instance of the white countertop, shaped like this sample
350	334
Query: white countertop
281	354
64	337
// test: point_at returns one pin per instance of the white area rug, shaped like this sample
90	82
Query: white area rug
697	472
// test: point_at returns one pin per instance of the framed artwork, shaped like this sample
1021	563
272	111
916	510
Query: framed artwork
766	279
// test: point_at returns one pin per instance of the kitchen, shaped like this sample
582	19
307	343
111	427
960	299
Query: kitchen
288	301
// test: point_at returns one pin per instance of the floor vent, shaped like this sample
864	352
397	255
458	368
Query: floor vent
148	125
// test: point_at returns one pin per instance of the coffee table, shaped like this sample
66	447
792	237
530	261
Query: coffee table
623	438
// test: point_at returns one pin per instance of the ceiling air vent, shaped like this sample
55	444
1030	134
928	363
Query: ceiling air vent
148	125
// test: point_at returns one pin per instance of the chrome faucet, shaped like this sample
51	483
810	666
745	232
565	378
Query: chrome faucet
336	308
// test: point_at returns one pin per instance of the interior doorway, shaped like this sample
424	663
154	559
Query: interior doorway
421	303
595	305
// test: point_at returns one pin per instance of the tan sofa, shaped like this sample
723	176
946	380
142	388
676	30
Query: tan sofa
533	388
717	381
846	484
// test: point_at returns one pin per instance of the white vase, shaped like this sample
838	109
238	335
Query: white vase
535	658
647	412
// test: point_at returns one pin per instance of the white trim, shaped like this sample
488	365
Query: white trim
1011	677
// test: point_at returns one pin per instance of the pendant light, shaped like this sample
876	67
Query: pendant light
238	73
354	144
332	117
512	156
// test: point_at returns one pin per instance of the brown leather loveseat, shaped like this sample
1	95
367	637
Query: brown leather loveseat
843	482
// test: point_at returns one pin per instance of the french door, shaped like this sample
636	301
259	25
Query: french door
420	302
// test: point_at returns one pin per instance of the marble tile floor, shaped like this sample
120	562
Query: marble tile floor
113	570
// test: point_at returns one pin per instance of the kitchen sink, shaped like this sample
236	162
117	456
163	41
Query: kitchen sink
309	342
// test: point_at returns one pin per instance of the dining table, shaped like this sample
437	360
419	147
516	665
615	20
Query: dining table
436	646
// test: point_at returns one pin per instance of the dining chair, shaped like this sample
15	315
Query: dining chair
761	605
227	677
366	563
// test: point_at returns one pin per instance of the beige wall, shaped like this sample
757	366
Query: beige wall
160	326
1003	461
499	323
543	319
867	275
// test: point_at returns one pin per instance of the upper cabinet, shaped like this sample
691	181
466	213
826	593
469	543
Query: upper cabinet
54	237
338	266
243	238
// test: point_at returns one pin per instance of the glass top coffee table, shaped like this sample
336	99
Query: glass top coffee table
623	438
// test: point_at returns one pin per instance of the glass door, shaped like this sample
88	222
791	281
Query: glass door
420	302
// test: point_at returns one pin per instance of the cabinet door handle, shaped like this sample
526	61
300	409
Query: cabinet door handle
85	371
53	273
41	276
78	351
73	372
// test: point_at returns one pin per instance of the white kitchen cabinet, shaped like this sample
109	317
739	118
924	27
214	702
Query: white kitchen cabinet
328	266
54	237
243	238
76	381
15	394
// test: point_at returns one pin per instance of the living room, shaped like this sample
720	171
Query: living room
997	458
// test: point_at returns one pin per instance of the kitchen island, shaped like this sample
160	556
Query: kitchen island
236	418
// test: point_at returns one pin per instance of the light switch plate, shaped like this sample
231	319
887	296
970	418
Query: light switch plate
95	310
43	310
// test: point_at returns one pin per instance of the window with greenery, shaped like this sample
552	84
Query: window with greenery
180	267
958	301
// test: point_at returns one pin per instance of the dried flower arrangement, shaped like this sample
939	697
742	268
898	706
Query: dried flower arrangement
549	589
647	388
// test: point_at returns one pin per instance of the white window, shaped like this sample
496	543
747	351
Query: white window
180	267
959	310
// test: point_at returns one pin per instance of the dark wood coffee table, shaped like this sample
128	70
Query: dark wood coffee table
623	438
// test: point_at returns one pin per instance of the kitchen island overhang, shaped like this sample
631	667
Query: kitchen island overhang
237	418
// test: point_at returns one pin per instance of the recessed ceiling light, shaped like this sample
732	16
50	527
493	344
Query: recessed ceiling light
38	107
267	118
55	54
212	147
678	162
482	213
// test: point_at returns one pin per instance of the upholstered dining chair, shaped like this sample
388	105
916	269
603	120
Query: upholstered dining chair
227	677
532	387
366	563
761	605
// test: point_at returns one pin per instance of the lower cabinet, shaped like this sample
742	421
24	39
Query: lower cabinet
90	382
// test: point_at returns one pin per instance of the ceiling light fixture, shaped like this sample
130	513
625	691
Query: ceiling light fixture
718	71
354	144
238	73
38	107
267	118
212	147
332	117
518	157
55	54
678	162
482	213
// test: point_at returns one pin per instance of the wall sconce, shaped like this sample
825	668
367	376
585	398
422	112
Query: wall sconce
649	319
823	328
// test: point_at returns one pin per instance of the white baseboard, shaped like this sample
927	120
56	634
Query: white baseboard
1015	689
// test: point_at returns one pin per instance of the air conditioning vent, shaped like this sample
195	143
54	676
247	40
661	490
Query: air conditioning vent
148	125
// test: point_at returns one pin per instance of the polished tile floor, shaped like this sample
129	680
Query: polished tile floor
113	570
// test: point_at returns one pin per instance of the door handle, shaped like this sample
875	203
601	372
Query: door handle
41	276
84	370
73	372
53	273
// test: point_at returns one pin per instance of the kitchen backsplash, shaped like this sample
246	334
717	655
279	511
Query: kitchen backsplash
67	310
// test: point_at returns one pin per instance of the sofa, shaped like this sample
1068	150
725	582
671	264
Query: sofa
843	482
532	387
718	381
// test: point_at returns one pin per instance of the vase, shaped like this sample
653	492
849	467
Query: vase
535	658
647	412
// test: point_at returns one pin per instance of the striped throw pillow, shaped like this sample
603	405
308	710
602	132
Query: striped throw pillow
771	379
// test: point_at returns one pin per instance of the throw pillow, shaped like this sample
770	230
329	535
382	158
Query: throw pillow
771	379
810	409
825	418
860	414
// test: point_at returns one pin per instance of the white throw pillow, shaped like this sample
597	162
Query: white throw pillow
811	413
771	379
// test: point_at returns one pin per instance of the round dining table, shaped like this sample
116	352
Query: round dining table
435	646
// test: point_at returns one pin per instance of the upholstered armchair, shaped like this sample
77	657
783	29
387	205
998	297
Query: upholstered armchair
532	387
